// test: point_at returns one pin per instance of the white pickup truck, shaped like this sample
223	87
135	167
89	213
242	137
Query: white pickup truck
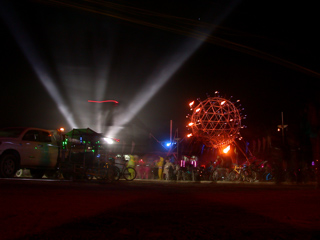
28	148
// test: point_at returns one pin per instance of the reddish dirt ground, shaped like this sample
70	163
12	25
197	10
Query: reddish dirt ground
157	210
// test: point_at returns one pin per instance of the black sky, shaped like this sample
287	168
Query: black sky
263	52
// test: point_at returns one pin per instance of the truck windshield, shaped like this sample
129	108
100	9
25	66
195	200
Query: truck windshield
11	132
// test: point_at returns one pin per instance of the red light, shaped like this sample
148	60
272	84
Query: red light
114	101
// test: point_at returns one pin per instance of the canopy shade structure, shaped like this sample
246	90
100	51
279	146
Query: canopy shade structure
87	134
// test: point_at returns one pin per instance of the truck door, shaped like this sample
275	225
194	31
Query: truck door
49	150
31	148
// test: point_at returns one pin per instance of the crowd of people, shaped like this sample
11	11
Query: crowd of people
161	168
164	168
168	168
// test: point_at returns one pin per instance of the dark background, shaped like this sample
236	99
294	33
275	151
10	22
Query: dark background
263	52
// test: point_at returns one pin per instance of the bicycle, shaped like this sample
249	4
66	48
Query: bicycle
102	172
128	173
236	173
248	173
219	174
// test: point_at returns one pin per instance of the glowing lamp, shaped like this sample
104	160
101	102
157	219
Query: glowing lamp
189	135
108	140
190	104
61	129
190	124
223	102
226	150
198	109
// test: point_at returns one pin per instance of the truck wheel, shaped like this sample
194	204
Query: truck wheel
36	173
19	173
8	166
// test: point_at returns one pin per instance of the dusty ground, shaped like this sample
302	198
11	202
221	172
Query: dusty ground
157	210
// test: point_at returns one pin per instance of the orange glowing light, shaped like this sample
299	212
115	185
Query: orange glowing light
190	124
226	150
223	102
198	109
189	135
61	129
190	104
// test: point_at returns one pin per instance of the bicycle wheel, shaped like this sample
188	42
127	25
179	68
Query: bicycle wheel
254	176
129	173
233	176
247	176
215	176
116	173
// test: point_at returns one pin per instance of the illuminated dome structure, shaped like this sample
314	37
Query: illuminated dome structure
216	121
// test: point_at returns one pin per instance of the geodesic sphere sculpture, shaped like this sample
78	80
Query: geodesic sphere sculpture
216	120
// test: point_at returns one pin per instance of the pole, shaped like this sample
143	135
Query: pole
171	132
282	127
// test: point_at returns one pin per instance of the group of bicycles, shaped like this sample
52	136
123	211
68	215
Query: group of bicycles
109	172
246	173
260	171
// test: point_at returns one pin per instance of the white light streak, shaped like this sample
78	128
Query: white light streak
37	63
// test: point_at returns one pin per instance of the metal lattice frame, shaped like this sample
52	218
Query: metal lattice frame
216	120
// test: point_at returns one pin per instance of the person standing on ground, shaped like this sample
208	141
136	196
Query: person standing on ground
166	169
160	167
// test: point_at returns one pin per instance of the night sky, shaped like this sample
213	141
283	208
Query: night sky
264	53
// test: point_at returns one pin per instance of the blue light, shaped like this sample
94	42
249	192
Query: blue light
169	144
